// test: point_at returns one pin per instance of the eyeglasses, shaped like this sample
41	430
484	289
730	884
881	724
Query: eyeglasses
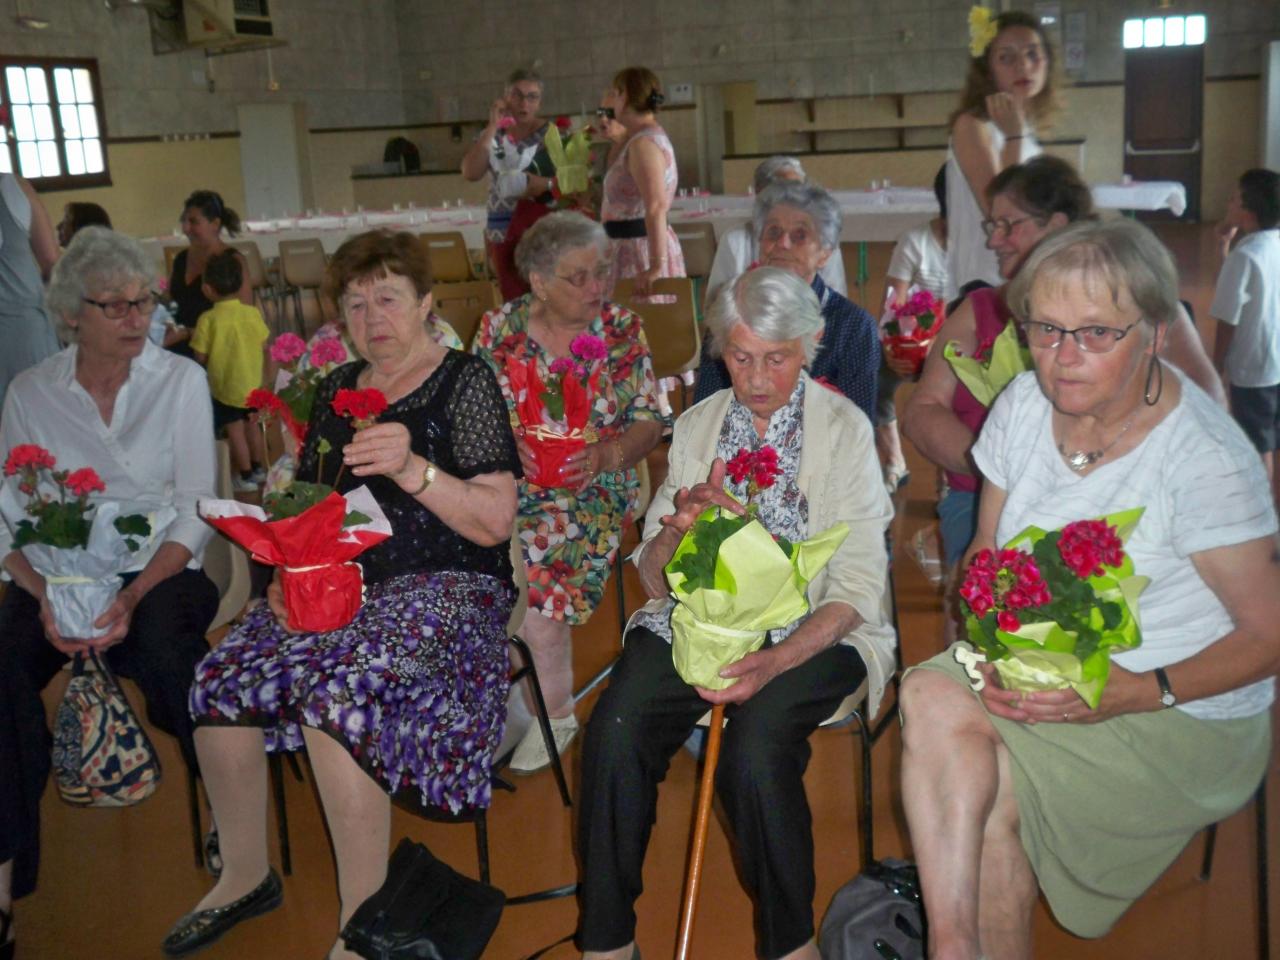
529	96
582	277
606	113
798	237
1002	225
119	309
1096	339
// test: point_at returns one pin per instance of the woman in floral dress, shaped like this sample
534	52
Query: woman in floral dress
640	185
569	533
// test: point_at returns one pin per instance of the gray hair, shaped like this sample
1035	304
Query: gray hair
808	198
520	74
543	244
1120	255
775	305
96	259
768	169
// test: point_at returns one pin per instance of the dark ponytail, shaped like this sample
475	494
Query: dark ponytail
211	206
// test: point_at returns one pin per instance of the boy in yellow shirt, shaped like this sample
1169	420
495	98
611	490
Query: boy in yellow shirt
230	341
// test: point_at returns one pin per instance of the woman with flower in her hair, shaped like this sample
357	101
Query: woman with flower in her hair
407	700
1010	88
640	185
1010	794
570	530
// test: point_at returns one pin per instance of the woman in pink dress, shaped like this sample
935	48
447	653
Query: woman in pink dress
640	185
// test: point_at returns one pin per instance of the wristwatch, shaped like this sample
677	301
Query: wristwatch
1167	698
428	477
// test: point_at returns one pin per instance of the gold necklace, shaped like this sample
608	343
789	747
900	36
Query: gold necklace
1081	460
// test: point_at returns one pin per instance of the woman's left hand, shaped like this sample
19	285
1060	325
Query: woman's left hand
115	620
379	450
642	283
581	468
1125	692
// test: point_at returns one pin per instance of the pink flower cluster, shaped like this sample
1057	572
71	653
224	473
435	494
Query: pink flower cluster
328	350
758	467
588	347
1089	545
1004	580
921	302
287	348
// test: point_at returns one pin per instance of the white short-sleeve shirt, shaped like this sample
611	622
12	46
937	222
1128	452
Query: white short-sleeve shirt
918	259
1248	298
1202	485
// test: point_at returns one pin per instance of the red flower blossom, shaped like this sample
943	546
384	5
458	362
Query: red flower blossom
362	406
1003	581
740	466
1088	546
264	400
757	468
563	123
1008	622
28	456
85	481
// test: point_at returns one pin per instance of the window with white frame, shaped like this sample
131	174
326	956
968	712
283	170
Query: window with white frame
1177	31
55	136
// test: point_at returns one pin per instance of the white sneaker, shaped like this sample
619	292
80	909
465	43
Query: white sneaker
531	755
259	475
243	485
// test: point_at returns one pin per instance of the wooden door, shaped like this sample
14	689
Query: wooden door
1163	109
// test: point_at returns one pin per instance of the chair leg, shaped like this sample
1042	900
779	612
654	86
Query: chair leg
193	805
1264	892
276	766
292	760
1210	839
482	844
865	814
544	721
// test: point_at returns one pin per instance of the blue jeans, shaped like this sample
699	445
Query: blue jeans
957	523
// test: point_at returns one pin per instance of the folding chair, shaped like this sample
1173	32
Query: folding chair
1260	837
463	304
302	267
671	327
698	242
450	262
264	291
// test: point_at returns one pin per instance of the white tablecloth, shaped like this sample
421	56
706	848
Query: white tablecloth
869	216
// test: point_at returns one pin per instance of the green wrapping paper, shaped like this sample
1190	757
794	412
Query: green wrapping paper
757	588
571	159
985	379
1044	655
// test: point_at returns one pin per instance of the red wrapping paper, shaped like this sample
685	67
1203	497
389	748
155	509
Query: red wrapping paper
552	444
908	348
323	587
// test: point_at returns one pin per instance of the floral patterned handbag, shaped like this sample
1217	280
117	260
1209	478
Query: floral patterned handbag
101	755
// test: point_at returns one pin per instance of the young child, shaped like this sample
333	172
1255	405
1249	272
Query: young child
1246	305
230	341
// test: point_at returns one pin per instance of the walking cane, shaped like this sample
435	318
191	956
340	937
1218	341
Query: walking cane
698	849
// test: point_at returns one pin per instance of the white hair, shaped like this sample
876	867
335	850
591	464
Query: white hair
775	305
766	170
97	259
809	199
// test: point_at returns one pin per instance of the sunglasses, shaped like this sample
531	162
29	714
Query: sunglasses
606	113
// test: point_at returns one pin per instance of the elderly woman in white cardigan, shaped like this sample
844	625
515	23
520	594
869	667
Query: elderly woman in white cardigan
766	326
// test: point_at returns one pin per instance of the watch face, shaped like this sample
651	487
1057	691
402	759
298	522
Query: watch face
1168	699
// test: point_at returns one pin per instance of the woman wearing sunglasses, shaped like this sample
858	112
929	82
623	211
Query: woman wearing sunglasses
570	532
1027	202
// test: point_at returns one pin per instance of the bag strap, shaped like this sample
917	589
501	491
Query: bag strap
551	946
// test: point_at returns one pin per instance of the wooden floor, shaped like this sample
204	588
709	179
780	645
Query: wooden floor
113	881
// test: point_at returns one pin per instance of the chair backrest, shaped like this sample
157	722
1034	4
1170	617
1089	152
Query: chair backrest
522	586
253	258
170	255
463	304
698	243
670	323
302	263
450	262
226	564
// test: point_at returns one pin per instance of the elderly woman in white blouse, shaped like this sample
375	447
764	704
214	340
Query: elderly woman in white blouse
141	418
1009	794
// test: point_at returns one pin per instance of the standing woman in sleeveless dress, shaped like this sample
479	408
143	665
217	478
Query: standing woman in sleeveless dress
640	185
204	219
1010	90
28	251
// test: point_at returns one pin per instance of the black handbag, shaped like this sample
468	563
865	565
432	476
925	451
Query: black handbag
425	910
878	915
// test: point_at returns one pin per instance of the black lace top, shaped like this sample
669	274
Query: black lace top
458	420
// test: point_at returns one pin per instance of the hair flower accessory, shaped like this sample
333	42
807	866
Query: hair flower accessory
982	30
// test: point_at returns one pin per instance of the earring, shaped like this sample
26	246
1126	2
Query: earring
1154	370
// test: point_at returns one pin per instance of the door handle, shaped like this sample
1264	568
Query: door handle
1132	151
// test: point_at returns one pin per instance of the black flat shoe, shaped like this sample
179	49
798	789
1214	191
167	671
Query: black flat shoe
200	928
212	855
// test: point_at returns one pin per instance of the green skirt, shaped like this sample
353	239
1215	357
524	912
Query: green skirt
1106	807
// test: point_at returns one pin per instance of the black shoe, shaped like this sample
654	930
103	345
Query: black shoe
200	928
8	948
212	855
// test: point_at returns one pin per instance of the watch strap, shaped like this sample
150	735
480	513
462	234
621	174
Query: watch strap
1166	691
428	477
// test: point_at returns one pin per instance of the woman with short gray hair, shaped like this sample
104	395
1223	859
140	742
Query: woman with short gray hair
763	325
737	248
141	418
797	227
1005	783
569	532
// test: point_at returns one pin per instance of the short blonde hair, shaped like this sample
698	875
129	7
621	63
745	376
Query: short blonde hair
1120	254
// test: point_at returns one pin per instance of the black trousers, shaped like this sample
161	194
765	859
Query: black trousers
643	717
166	640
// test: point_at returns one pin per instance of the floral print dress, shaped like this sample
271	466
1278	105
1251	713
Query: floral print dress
569	539
623	201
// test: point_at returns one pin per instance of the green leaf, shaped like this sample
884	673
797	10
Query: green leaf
294	499
354	519
553	400
324	446
134	525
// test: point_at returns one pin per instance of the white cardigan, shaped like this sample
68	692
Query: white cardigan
840	477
